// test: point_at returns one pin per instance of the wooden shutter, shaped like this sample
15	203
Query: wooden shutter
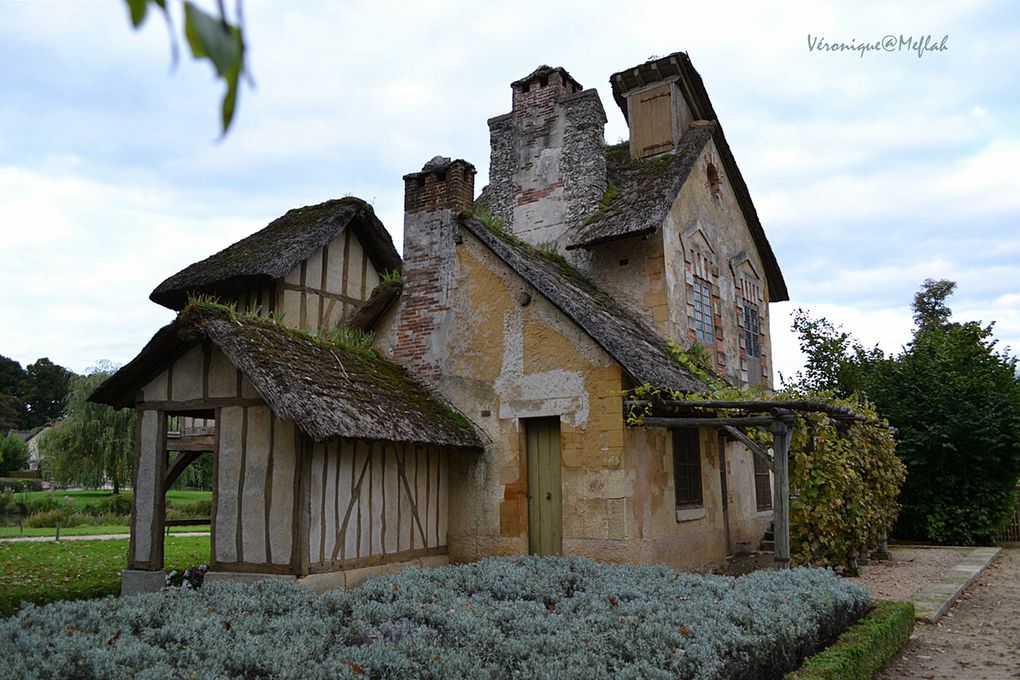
651	121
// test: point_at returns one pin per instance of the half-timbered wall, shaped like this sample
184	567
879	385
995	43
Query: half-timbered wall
375	502
328	285
254	519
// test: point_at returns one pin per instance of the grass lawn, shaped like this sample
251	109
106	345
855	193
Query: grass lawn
87	530
75	570
83	498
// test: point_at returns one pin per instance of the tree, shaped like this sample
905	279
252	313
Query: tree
835	362
13	454
955	401
12	406
209	37
94	443
44	390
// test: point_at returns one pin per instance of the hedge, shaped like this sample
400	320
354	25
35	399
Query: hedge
865	648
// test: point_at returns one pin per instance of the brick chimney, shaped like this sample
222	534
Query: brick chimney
547	168
432	200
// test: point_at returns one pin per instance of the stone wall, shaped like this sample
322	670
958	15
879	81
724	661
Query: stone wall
547	168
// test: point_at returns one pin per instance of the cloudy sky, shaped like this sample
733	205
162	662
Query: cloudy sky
871	171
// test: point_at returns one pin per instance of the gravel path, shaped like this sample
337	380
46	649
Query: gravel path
909	570
978	638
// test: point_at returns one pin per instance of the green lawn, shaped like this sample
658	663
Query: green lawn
75	570
84	498
87	530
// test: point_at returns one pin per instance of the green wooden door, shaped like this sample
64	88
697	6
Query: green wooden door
545	497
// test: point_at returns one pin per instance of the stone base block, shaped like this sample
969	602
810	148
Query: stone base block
134	581
352	578
236	577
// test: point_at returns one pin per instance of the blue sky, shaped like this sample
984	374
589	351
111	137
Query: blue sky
870	173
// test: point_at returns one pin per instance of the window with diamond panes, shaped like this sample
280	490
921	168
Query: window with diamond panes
704	329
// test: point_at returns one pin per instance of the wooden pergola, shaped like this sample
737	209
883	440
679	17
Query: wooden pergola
776	415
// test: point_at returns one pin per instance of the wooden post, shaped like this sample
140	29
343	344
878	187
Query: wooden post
57	538
781	482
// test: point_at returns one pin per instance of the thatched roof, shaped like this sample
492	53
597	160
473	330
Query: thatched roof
678	66
379	302
328	391
645	190
626	338
271	253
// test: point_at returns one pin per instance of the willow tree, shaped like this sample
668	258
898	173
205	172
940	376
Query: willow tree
94	443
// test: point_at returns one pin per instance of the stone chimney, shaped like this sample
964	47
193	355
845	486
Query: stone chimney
432	200
547	170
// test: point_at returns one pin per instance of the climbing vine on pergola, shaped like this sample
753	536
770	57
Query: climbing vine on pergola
835	471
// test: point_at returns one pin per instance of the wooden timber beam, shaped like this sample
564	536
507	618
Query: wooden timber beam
781	484
184	459
751	445
736	421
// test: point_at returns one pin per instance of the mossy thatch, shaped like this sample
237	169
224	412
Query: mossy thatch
271	253
326	389
642	191
628	339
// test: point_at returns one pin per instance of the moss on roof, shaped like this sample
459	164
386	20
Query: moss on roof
641	351
272	252
327	389
642	191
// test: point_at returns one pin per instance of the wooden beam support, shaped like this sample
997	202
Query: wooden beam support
184	459
737	421
200	443
781	482
751	445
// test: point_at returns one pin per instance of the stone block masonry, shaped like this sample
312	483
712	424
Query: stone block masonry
547	169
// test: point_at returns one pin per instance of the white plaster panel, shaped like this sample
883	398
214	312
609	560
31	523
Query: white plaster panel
294	277
253	502
228	479
364	512
355	268
376	492
188	375
156	389
335	264
313	270
444	496
404	537
391	491
315	506
248	390
222	375
312	319
329	522
146	486
281	509
291	308
345	483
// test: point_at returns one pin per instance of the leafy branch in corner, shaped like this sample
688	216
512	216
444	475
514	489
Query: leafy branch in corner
209	37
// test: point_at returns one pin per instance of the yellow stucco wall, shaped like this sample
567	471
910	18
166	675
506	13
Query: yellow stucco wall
508	354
